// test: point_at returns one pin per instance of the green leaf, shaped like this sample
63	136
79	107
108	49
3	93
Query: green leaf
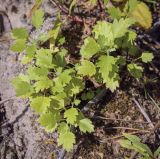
120	28
62	80
136	145
44	58
26	59
86	125
40	104
57	87
77	102
24	77
49	120
132	138
125	143
147	57
114	12
64	77
57	102
142	15
59	59
67	140
102	28
38	18
131	36
23	88
31	49
108	70
132	5
103	32
63	127
135	70
75	86
20	33
86	68
19	45
71	115
144	148
89	48
36	73
42	84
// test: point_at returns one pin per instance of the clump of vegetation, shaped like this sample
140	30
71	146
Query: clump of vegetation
133	142
56	85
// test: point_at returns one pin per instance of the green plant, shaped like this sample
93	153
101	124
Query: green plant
133	142
54	83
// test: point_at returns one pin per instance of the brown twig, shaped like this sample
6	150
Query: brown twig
76	19
66	12
96	85
100	5
143	112
61	8
155	69
157	106
126	128
123	120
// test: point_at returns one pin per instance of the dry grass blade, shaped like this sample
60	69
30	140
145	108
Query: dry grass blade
143	112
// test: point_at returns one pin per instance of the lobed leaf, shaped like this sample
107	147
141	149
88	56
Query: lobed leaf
38	18
23	88
37	73
19	45
75	86
85	125
120	28
49	120
135	70
40	104
44	58
63	127
89	48
42	84
20	33
71	115
67	140
114	12
147	57
108	70
57	102
86	68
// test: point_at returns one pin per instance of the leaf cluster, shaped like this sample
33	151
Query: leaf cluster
133	142
55	86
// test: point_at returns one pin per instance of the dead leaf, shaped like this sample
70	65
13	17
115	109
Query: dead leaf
142	15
